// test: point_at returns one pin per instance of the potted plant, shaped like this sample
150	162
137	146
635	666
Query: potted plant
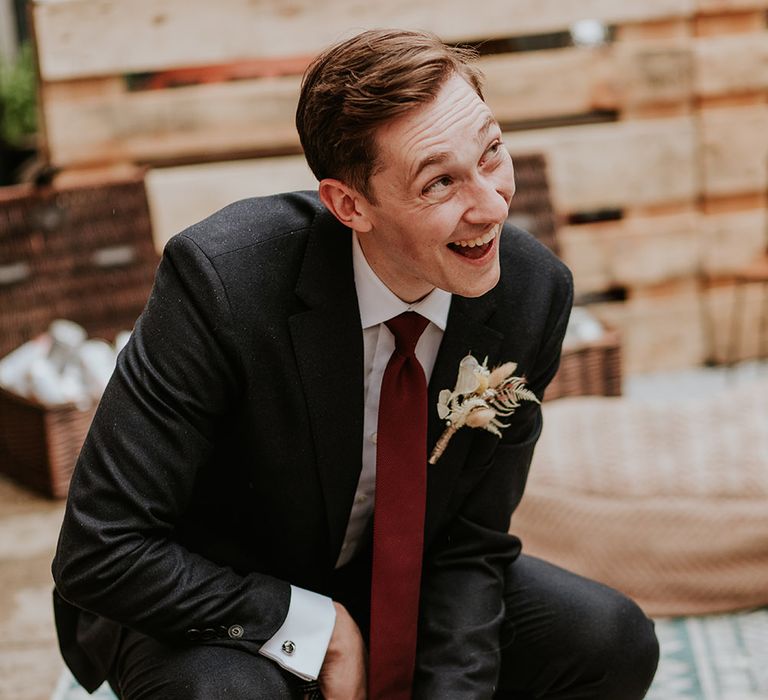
18	113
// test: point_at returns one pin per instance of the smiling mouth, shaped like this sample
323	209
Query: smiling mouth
475	248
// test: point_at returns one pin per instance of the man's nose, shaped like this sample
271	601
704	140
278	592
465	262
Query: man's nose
488	201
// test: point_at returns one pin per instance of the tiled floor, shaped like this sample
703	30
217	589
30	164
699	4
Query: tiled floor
29	659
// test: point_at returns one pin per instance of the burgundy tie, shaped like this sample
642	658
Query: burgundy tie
398	521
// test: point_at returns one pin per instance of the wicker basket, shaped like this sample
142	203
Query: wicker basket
82	253
589	369
38	444
531	208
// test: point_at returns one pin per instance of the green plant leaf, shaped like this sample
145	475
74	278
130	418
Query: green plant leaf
18	98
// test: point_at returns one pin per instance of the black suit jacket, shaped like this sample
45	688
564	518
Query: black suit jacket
223	459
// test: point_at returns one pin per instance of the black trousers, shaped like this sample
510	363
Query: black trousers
564	637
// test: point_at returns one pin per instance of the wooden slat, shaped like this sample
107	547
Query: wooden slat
553	83
642	251
79	38
735	150
733	240
578	80
96	121
181	196
723	6
654	29
661	333
201	121
616	165
731	64
746	22
631	252
736	341
653	73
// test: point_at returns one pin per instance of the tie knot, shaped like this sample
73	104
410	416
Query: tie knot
407	329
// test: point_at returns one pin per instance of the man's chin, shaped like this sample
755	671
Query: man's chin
477	288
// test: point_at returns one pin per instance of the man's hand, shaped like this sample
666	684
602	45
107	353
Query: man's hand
343	675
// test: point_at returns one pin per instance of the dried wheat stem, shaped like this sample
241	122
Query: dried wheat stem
441	444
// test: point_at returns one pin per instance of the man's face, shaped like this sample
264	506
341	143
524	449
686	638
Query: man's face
442	190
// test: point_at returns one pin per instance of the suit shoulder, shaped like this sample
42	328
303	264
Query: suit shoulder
253	222
527	262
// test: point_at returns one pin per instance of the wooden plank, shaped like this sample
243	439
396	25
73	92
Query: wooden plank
733	240
202	121
617	164
737	203
661	333
735	150
632	252
735	339
553	83
653	73
650	250
654	29
724	6
78	38
97	120
730	23
181	196
731	64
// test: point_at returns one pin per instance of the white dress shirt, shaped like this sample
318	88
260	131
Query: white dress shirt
301	642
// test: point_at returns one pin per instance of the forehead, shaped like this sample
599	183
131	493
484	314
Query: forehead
439	130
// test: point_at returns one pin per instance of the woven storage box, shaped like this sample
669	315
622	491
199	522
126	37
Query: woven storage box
589	369
81	253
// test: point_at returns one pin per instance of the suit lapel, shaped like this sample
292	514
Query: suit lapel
466	332
328	344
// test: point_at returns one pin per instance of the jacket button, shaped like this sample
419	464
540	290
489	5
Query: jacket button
193	635
289	647
235	631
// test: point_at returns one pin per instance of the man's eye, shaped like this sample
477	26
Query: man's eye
437	185
493	150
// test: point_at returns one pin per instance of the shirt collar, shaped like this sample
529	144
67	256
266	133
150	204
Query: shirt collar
379	304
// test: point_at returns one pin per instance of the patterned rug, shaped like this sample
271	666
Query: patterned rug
716	657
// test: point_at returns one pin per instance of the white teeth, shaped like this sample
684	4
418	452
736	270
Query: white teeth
480	240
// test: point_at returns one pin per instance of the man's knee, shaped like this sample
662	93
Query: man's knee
255	681
264	682
565	634
622	647
147	669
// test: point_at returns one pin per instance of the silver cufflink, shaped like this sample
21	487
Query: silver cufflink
289	647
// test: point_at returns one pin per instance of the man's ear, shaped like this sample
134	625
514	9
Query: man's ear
345	203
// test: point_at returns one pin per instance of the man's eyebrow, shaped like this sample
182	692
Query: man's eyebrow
431	159
486	127
442	156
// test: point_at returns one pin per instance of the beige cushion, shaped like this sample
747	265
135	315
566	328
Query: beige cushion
665	499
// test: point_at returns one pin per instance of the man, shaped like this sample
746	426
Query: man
221	522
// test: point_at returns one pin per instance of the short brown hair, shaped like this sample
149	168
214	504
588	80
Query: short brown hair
356	86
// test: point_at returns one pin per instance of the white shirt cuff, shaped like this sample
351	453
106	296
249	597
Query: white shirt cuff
300	644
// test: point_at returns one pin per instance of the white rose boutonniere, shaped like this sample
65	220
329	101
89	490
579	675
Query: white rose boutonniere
480	399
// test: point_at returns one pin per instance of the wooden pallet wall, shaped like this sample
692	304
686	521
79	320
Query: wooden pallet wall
664	126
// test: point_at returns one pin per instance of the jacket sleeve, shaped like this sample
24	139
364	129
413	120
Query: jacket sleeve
136	475
462	606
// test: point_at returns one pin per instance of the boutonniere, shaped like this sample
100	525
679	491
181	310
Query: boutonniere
480	399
